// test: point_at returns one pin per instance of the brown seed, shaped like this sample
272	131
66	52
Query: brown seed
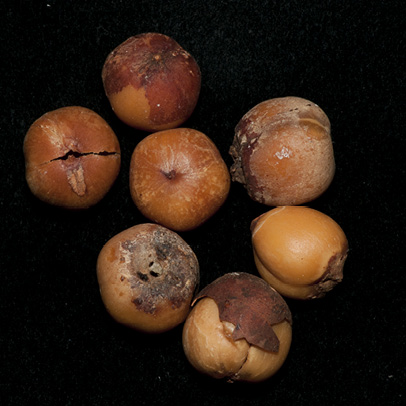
299	251
72	157
178	178
282	152
147	276
151	82
239	329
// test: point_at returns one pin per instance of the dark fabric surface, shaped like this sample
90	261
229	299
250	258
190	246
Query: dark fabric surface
58	346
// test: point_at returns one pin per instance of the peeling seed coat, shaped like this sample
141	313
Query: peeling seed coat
147	276
152	83
282	152
235	303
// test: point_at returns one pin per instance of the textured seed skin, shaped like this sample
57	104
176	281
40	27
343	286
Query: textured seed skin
72	157
282	152
152	82
239	329
251	305
147	276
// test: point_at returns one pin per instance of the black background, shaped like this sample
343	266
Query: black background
59	346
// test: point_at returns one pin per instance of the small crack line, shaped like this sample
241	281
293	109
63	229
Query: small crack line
76	154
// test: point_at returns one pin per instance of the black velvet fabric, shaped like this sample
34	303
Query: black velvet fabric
58	346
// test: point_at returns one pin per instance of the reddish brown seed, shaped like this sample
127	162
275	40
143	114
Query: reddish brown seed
239	329
151	82
72	157
178	178
246	301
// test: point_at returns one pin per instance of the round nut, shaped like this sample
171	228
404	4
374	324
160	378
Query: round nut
152	83
299	251
239	329
178	178
282	152
147	276
72	157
